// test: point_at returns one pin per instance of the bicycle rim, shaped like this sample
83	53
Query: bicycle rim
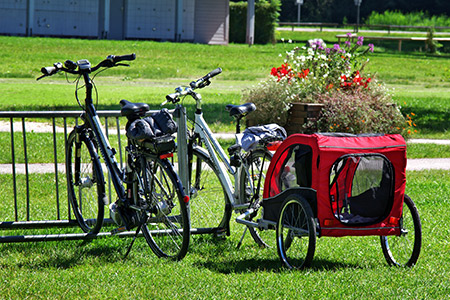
167	229
258	164
86	185
404	250
208	198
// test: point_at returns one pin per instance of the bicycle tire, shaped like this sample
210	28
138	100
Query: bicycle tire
85	181
296	233
399	250
263	238
208	199
167	229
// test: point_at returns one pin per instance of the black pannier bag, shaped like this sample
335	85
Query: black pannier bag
154	132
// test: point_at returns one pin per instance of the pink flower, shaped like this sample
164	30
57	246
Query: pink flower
360	40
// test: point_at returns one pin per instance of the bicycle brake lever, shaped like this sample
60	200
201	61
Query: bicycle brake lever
120	64
39	78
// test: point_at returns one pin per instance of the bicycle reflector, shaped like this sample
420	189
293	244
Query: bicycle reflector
167	155
273	146
186	199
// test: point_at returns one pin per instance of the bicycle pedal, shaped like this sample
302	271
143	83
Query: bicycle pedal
118	230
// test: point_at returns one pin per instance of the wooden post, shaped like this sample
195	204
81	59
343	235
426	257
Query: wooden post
250	37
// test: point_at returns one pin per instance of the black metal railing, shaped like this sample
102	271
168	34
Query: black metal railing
19	220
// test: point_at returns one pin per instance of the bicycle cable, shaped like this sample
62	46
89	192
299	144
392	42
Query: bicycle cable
79	88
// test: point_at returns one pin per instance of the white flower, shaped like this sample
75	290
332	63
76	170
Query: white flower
290	41
282	39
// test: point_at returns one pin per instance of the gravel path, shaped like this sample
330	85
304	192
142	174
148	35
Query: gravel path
5	126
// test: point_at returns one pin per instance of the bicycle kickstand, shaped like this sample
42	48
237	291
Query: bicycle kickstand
242	238
134	239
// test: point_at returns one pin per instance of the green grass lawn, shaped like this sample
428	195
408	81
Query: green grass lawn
348	267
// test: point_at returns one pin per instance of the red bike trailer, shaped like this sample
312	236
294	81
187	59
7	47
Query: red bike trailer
341	185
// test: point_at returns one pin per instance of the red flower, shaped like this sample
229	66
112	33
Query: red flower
286	71
274	71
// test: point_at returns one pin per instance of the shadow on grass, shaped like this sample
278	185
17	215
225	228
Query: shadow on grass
271	265
221	256
61	255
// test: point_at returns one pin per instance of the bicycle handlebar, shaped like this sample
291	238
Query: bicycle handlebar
119	58
84	65
205	79
197	84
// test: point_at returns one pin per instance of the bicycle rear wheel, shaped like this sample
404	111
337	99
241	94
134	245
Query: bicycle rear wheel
167	229
252	187
296	233
85	181
404	250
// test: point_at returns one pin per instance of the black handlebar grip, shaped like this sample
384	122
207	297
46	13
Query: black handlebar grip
214	73
172	97
118	58
48	70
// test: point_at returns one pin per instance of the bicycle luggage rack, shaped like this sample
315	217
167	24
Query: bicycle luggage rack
16	221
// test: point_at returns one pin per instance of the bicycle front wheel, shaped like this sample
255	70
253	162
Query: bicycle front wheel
251	189
404	250
167	229
85	181
208	198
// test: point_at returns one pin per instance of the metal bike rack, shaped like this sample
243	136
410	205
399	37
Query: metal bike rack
19	222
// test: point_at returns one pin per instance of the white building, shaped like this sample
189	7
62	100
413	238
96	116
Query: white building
200	21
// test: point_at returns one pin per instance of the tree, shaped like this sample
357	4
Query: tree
336	10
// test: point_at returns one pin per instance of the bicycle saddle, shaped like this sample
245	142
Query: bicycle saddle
133	109
240	110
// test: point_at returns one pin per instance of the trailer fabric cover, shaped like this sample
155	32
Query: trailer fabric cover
325	150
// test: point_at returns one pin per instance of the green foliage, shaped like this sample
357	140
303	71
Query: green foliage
432	44
266	17
359	112
418	18
271	100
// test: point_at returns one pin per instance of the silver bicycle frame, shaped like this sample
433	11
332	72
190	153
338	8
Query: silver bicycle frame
214	149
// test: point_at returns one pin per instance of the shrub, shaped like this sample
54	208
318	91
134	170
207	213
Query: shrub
419	18
357	112
353	101
266	17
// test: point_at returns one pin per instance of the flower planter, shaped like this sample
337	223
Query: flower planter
300	114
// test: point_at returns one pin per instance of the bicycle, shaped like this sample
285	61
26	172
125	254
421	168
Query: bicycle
149	192
209	173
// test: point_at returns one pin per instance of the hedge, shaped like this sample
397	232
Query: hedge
266	17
